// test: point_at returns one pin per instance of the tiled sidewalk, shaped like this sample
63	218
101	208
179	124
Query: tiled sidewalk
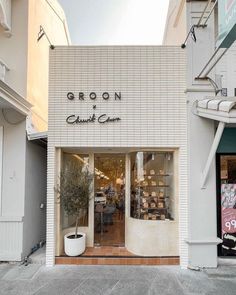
115	280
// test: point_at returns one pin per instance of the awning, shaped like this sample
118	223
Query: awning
9	98
40	138
222	109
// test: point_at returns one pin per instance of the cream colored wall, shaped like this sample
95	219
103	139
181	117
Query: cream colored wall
49	15
175	30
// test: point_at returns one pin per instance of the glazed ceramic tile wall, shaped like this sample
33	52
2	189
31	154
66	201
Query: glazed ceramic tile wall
152	109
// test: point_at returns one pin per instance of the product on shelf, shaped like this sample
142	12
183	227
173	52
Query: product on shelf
153	205
161	194
163	217
161	183
145	183
145	205
160	205
152	172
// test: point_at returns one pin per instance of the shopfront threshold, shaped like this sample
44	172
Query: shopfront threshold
107	255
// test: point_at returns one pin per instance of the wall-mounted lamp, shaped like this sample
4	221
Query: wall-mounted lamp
193	36
42	33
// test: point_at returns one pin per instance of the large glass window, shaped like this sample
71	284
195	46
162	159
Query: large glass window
152	186
82	162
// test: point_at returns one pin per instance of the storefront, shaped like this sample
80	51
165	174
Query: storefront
226	193
121	112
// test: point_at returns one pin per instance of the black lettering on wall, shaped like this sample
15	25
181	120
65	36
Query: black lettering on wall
70	96
93	95
81	96
105	95
117	95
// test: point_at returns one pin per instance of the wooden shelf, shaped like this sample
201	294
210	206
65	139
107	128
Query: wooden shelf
150	197
155	208
161	186
147	175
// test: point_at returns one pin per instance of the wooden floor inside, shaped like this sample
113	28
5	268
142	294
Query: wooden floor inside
110	234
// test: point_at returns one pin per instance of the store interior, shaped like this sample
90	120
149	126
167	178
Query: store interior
109	201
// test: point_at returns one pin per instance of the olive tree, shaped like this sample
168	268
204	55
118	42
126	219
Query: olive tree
74	190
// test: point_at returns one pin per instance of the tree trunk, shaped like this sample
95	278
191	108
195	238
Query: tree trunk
76	226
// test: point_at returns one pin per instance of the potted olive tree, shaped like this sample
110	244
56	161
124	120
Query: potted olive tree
74	193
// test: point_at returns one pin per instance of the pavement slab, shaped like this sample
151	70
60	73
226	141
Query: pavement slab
59	287
195	282
131	287
4	268
22	272
165	282
95	286
20	287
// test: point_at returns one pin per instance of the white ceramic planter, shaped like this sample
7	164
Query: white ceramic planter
74	247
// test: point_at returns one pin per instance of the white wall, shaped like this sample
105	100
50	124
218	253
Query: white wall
34	228
5	14
227	68
152	109
202	202
16	78
13	189
27	60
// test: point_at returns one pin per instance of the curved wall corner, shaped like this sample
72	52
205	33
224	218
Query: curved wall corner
152	238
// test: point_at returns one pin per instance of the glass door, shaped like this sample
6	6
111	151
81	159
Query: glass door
109	201
227	201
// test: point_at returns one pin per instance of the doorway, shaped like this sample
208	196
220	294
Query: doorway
226	203
109	200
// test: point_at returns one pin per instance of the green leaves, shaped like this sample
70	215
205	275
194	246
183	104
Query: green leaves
75	188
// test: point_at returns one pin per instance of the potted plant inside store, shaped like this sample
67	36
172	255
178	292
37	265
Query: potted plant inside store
74	193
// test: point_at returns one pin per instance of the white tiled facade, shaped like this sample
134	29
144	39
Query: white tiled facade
152	109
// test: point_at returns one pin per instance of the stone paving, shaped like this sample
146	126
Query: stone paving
113	280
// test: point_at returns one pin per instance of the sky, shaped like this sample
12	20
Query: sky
116	22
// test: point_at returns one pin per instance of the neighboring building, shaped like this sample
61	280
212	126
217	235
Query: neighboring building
175	30
211	127
122	111
23	104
